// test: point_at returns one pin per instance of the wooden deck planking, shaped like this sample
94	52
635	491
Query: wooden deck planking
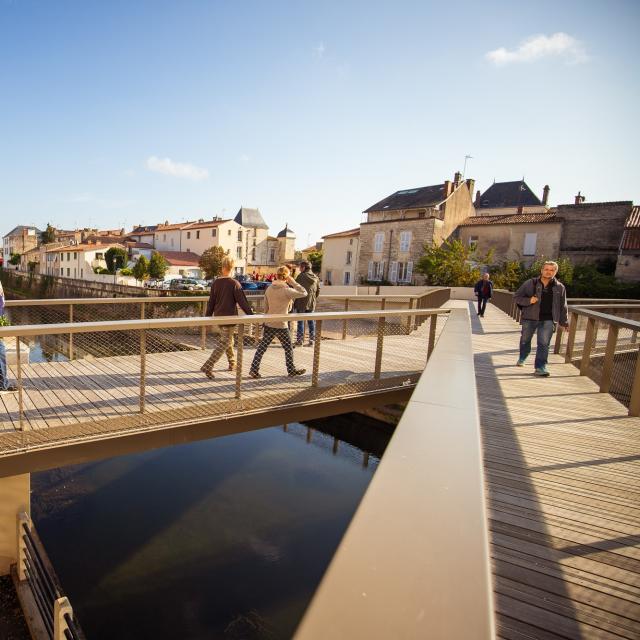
562	472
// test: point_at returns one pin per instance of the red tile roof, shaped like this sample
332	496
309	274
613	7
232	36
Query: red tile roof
630	240
206	224
344	234
633	221
516	218
181	258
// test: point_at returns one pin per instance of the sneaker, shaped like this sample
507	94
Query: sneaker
309	344
254	374
232	366
542	372
520	363
10	387
297	343
297	372
207	372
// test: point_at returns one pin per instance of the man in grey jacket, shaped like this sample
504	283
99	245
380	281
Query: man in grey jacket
310	282
543	302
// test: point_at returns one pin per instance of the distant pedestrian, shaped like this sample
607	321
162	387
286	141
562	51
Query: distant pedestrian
225	298
277	301
311	283
543	302
5	383
484	291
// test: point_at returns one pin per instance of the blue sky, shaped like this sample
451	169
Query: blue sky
118	113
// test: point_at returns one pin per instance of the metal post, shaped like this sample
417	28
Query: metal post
432	334
142	310
203	331
378	366
61	608
143	367
344	323
588	343
309	434
316	354
70	334
607	366
573	325
336	443
23	519
634	405
20	398
239	359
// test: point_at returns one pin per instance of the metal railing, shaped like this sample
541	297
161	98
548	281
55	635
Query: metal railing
35	569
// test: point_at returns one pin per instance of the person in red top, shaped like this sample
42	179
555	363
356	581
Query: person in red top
225	298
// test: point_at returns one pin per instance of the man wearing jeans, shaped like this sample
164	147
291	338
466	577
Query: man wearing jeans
5	383
311	283
543	302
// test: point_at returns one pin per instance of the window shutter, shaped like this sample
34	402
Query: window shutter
409	270
370	271
381	276
393	272
530	244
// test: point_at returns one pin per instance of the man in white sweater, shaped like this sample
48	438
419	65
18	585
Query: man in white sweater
277	301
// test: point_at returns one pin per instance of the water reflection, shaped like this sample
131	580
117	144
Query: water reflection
226	538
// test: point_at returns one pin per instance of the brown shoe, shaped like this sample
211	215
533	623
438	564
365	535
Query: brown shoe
297	372
254	374
207	372
232	366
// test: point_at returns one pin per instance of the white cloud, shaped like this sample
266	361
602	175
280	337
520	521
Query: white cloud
319	50
176	169
534	48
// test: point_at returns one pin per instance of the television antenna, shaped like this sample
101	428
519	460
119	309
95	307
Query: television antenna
464	170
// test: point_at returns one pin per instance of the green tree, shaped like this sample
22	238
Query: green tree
452	264
141	268
506	275
157	266
116	258
565	270
315	258
211	261
14	259
48	235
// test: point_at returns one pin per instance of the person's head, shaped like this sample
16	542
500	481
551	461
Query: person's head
227	265
485	276
305	265
549	269
283	272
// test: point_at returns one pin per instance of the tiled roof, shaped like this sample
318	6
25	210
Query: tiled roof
515	218
181	258
508	194
17	231
205	225
633	221
250	218
344	234
84	247
630	240
140	245
173	227
410	199
150	228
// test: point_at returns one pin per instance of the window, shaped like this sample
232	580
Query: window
349	256
229	232
347	277
164	237
82	273
350	240
253	254
530	244
172	242
378	242
405	271
75	256
328	276
99	256
405	240
239	252
188	235
421	214
239	235
473	241
213	233
272	255
61	271
62	257
68	272
197	235
68	257
376	270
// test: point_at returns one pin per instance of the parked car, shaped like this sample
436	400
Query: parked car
186	284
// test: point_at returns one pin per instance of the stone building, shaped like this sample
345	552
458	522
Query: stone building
397	228
628	263
503	198
340	253
20	240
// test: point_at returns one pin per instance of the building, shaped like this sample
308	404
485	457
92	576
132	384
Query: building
168	237
182	264
199	236
340	257
142	233
628	262
286	240
19	240
524	237
76	261
261	249
503	198
398	227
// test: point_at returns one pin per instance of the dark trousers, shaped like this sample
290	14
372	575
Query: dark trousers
267	338
482	305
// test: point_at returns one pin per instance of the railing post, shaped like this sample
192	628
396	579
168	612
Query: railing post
70	334
23	520
634	404
588	343
61	608
573	326
432	334
203	331
143	367
344	323
409	318
634	337
607	366
316	354
239	354
557	347
20	392
142	310
379	344
383	304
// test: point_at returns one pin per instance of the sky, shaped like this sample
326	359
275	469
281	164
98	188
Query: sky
122	113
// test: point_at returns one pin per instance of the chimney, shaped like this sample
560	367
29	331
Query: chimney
477	202
447	189
520	208
579	199
545	195
456	178
470	185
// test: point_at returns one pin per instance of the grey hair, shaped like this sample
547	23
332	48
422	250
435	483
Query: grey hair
552	263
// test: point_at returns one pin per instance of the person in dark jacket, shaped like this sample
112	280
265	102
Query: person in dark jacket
311	283
5	382
543	302
484	291
225	298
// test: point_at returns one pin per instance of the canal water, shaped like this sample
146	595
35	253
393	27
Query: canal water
224	538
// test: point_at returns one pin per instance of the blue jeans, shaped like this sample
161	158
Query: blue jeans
4	379
544	329
312	329
482	305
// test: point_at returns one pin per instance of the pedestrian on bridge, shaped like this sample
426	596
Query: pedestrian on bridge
225	298
543	302
277	301
311	283
484	291
5	383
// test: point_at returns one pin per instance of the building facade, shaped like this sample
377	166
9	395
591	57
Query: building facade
340	252
20	240
628	262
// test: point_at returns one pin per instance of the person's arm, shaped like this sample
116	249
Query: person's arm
295	289
523	297
564	313
241	299
212	301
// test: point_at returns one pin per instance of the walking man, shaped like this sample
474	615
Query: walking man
311	283
226	295
5	383
484	291
543	302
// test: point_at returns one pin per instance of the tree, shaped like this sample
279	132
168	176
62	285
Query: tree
507	275
565	270
115	257
452	264
48	235
157	266
141	268
315	258
14	259
211	261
